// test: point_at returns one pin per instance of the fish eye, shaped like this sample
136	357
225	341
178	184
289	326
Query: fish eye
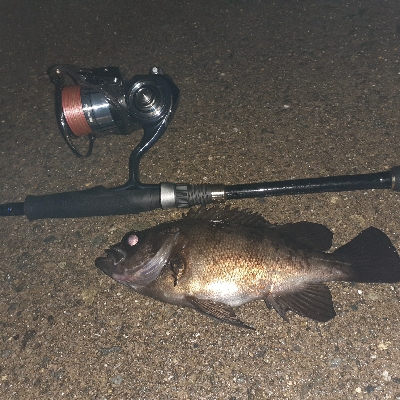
132	239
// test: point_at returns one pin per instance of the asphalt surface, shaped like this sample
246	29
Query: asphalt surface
269	91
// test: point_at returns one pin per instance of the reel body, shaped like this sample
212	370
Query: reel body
99	103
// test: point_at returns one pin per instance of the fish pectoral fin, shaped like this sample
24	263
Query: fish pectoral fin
313	300
220	311
178	266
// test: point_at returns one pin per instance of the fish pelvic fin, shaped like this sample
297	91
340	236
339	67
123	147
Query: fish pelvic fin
312	300
219	311
372	258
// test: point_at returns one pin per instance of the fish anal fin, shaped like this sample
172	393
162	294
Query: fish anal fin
312	300
219	311
315	236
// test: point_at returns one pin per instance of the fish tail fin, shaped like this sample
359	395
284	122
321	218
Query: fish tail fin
372	258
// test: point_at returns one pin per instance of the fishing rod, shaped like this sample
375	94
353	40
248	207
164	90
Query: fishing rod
100	102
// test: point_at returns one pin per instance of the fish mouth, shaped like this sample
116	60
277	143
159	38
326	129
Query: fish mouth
115	255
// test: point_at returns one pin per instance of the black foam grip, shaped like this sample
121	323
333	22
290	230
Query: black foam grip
92	202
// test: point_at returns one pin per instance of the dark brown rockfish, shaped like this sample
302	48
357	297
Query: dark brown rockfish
218	258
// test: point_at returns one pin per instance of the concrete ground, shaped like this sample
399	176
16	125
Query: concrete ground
270	90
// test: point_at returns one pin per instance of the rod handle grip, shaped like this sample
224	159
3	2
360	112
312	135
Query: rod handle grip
92	202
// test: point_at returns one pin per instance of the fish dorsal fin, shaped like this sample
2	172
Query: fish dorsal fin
228	215
315	236
313	300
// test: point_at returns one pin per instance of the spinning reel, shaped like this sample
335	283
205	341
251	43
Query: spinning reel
100	103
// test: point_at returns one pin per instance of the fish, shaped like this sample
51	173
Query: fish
218	258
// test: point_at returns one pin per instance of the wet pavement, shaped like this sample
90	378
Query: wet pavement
269	91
